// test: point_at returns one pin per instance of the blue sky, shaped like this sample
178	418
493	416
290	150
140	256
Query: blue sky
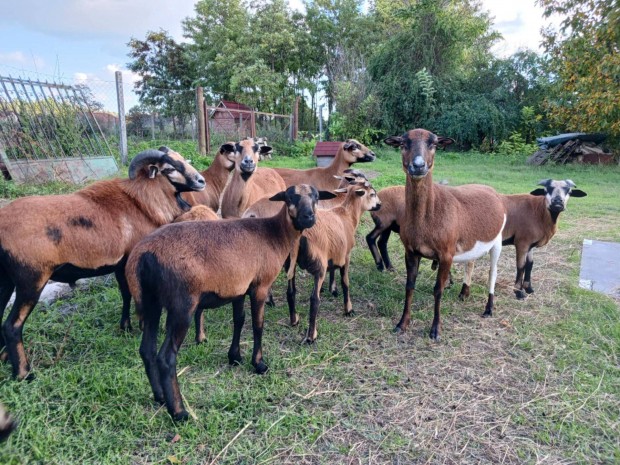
85	40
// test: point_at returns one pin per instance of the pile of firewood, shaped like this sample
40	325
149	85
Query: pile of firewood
571	151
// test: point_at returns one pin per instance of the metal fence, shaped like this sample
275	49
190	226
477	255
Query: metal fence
48	132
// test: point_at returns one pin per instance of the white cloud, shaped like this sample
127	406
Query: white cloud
518	22
19	58
88	19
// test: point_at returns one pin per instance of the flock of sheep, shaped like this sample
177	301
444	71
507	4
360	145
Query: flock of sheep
272	218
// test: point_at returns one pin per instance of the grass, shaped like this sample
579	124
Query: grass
538	382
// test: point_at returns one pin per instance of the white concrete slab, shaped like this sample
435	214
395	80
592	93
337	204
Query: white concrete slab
600	267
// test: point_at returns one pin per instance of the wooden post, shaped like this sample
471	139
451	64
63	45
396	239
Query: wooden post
206	128
253	125
200	112
296	118
121	117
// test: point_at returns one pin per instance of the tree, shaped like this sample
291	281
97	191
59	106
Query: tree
166	78
585	57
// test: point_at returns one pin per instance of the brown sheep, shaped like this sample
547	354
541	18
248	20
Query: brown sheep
531	221
84	234
248	183
387	220
444	223
197	265
328	246
216	176
322	178
198	213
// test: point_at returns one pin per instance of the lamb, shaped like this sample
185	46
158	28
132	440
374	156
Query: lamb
248	183
531	222
322	178
328	246
444	223
387	220
197	265
198	213
84	234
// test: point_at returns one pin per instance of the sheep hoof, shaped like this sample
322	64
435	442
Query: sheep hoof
380	266
519	294
180	417
390	268
234	360
350	313
28	377
261	368
335	292
270	302
529	290
4	356
201	338
126	326
295	321
488	312
399	330
159	400
434	335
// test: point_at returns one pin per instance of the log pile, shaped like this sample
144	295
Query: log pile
564	149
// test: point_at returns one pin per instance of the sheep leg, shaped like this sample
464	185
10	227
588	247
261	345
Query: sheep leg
257	303
344	279
270	302
529	264
333	288
412	263
119	273
315	302
6	290
495	252
443	275
469	270
25	299
148	346
234	353
383	241
177	325
291	293
521	262
199	322
371	239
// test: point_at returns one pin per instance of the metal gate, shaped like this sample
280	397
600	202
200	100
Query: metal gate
48	133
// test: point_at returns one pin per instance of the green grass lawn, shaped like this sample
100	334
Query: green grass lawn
537	383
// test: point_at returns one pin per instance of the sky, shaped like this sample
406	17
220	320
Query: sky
85	41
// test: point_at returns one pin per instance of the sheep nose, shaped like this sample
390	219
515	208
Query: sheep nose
418	162
200	181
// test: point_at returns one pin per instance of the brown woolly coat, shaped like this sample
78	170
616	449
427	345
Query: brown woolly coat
216	176
241	193
528	220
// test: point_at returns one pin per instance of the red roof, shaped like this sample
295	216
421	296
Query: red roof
233	105
326	149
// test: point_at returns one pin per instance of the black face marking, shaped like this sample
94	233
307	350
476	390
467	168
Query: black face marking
81	221
54	234
179	166
238	148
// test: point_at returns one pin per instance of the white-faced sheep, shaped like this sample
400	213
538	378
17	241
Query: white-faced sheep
444	223
84	234
196	265
531	221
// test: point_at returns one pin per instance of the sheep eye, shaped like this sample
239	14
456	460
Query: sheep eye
167	170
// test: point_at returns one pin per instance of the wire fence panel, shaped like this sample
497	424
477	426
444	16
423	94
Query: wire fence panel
49	132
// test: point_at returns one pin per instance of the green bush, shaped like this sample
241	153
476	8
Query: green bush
516	146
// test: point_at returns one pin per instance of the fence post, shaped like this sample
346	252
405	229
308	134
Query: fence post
296	118
200	111
253	125
121	117
207	131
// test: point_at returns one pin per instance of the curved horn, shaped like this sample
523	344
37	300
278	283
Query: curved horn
147	157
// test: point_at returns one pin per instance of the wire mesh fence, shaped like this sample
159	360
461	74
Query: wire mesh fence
78	120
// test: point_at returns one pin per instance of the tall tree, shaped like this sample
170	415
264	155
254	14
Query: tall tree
585	54
166	80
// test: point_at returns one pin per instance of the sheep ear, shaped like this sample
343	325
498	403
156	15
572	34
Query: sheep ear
279	197
538	192
265	149
145	158
227	148
577	193
349	145
342	190
394	141
360	192
325	195
544	182
444	141
153	171
570	183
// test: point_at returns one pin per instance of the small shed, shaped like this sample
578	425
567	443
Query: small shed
231	117
324	152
